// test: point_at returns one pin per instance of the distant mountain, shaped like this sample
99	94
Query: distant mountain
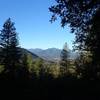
25	51
52	54
47	54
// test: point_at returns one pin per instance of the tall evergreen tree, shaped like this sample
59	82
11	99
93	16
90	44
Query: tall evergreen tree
64	58
10	53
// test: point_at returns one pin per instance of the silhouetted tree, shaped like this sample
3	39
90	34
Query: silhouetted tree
78	14
83	65
10	53
93	43
83	18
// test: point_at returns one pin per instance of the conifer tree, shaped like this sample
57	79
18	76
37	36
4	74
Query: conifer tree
64	59
10	53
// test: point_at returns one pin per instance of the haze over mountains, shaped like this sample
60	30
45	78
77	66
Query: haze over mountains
52	54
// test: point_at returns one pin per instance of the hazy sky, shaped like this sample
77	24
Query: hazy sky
31	19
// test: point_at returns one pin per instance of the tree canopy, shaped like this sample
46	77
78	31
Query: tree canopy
83	17
78	14
10	53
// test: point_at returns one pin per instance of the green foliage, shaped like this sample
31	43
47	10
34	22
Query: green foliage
83	16
78	14
64	60
53	70
35	66
83	65
9	53
1	68
93	39
29	61
67	67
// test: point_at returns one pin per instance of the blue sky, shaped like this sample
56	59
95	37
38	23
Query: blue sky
31	19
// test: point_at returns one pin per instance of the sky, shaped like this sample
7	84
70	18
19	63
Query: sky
31	18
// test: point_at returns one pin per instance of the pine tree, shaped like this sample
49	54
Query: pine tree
64	59
10	53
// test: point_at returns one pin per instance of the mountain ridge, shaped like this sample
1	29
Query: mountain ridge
52	54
